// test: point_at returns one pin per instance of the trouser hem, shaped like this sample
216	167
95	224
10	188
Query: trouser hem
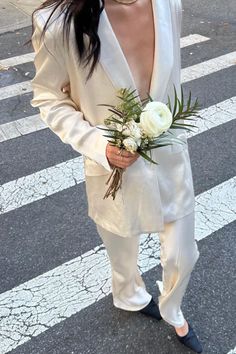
172	323
130	308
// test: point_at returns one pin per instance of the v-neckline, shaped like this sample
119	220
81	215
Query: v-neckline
124	57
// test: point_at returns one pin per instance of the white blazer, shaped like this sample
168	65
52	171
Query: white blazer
151	194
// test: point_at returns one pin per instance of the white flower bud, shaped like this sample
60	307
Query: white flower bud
130	144
132	129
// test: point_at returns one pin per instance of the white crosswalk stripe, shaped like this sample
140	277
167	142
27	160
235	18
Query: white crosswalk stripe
208	67
82	281
15	90
28	189
21	127
49	181
29	57
233	351
192	39
18	60
215	115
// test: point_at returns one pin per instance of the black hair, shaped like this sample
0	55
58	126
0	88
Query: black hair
85	15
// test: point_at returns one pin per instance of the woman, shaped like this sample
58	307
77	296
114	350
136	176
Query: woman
85	51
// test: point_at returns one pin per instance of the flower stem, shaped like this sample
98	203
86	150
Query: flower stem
116	182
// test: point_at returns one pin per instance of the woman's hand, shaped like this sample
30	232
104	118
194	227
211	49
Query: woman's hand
117	159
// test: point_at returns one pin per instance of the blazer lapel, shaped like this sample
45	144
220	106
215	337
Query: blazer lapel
115	64
112	57
163	61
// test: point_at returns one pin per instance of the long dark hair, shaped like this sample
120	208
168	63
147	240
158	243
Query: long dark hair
85	14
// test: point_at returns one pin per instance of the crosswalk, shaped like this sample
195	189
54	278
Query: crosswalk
37	305
188	74
76	285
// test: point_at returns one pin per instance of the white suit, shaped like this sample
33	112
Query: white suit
153	197
74	116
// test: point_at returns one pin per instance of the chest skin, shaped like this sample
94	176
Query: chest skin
133	26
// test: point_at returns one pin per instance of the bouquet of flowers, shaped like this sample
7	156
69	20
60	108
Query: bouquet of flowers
142	125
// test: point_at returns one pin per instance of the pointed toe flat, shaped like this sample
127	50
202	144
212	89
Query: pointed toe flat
191	340
152	310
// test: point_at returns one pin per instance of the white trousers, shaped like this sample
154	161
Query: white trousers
178	255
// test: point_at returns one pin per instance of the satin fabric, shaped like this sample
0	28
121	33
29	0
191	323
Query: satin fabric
179	253
69	105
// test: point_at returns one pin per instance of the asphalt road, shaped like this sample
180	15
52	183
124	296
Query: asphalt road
44	234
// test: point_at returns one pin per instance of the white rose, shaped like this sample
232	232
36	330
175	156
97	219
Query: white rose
130	144
155	119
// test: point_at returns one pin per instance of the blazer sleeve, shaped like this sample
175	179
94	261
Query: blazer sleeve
57	109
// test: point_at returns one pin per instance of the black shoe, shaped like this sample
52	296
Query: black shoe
190	340
152	310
